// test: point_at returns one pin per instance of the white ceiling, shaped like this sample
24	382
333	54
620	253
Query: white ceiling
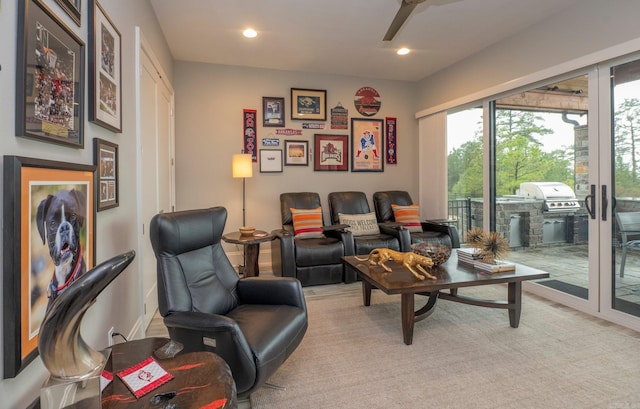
343	36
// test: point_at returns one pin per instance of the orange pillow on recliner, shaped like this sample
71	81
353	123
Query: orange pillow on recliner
409	216
307	223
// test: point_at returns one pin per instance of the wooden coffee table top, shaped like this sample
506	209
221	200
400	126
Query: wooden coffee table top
449	275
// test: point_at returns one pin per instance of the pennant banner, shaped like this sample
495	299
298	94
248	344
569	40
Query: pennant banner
249	117
392	145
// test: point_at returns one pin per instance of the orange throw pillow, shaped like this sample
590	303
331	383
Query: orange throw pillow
307	222
409	216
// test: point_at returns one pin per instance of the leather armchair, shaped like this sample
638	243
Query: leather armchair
357	203
313	261
431	232
254	323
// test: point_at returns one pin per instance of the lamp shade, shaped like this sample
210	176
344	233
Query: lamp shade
242	165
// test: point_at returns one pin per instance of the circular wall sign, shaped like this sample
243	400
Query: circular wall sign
367	101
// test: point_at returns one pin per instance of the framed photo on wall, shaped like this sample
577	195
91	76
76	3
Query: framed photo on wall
105	71
272	111
367	144
309	104
72	8
105	157
49	78
270	160
331	152
36	192
296	153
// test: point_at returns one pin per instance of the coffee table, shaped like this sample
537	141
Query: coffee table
450	276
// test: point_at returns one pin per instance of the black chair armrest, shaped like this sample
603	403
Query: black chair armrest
391	225
275	291
334	227
345	236
198	331
283	260
200	321
451	231
399	232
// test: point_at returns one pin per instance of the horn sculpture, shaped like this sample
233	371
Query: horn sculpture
63	351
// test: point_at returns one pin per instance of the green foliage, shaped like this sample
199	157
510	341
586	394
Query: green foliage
518	154
626	141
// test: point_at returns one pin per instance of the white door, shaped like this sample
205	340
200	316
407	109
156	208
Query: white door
155	150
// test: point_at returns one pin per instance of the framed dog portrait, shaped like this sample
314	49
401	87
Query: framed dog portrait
367	144
49	227
331	152
105	156
49	78
105	72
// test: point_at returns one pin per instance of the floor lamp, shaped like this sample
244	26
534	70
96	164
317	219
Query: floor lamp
243	168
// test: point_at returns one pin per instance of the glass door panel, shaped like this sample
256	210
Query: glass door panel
542	171
465	169
625	168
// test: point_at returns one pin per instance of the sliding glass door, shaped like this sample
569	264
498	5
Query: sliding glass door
623	285
544	166
555	168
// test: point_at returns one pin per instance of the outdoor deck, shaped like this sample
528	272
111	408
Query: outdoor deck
568	264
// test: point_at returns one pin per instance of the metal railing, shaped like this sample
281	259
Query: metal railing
460	216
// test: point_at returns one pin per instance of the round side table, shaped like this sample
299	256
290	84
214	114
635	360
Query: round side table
251	248
200	379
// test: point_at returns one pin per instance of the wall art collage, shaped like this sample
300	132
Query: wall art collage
370	143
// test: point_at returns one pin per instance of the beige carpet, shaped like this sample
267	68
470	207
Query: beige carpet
462	357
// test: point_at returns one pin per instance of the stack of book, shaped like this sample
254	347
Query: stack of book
468	258
495	267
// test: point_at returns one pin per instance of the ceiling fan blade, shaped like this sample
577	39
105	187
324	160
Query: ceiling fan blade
401	16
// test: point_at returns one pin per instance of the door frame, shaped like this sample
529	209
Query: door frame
143	47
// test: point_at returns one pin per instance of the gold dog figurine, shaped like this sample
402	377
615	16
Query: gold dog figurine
408	260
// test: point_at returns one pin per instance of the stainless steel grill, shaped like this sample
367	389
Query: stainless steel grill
557	196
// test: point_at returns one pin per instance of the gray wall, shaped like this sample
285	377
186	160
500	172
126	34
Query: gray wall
209	104
116	229
564	39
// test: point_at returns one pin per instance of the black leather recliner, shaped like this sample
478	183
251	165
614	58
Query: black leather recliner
254	323
431	232
313	261
357	203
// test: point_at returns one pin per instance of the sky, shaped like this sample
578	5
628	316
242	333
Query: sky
461	126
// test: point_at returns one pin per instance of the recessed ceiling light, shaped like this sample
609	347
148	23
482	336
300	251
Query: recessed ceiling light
249	33
403	51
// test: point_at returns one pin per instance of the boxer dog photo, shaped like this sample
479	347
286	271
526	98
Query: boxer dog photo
60	218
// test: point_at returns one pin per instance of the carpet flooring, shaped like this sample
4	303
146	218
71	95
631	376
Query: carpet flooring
462	357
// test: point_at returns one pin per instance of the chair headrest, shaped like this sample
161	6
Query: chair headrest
180	232
382	202
297	200
347	203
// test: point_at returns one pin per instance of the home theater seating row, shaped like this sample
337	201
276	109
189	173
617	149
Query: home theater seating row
310	250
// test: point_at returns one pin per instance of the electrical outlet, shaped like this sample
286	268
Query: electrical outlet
110	337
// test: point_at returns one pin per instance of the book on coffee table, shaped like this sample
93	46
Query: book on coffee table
495	267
